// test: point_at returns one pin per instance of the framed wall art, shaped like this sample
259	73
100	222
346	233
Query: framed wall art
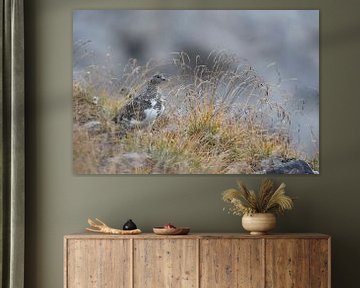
196	92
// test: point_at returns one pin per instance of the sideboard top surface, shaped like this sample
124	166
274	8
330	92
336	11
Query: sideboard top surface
86	235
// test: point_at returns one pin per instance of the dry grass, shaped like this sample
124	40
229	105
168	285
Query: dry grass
267	200
220	118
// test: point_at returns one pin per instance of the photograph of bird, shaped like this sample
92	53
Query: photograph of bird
145	108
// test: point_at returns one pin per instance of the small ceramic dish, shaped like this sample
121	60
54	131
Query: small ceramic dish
171	231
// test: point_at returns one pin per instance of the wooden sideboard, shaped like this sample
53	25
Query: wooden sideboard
197	260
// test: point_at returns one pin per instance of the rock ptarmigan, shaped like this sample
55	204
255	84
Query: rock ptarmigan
143	109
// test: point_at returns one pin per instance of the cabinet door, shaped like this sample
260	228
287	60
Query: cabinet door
320	263
98	263
165	263
231	263
287	263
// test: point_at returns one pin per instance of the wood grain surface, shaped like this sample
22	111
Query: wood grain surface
231	263
165	263
88	235
197	260
319	263
287	263
98	263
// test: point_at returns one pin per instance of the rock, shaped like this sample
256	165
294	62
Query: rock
93	126
277	165
131	162
136	160
272	161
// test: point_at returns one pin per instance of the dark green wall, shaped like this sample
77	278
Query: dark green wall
59	202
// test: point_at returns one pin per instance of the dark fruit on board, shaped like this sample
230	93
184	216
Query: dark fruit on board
129	225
